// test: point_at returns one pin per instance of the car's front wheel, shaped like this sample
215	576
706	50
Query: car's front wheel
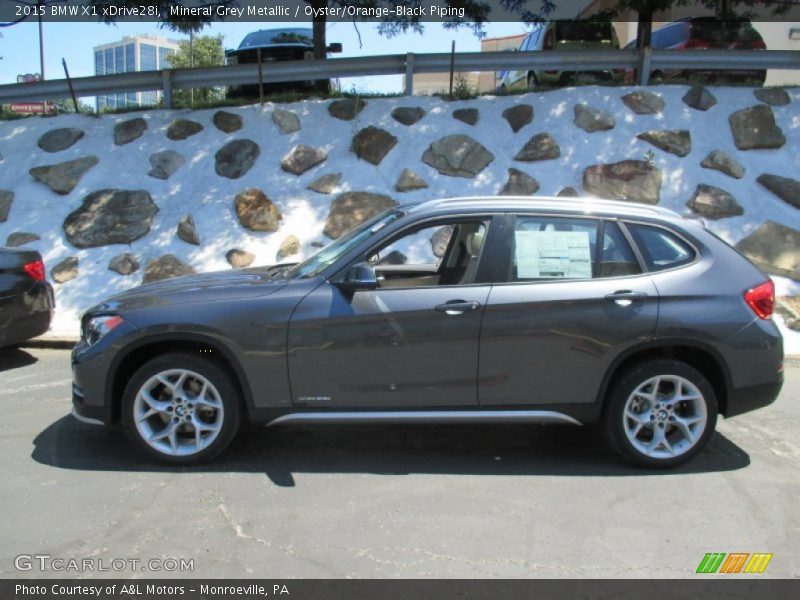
660	413
181	409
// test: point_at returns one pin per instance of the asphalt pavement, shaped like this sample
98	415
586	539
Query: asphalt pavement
384	501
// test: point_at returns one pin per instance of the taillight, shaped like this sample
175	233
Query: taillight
761	299
35	269
697	44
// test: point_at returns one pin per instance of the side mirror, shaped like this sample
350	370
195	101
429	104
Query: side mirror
361	276
334	48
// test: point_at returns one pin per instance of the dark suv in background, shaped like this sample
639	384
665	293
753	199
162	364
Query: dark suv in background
705	33
275	45
507	309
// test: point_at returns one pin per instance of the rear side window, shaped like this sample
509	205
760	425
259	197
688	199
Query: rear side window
564	248
660	249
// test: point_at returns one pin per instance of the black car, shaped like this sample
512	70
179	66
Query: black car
506	309
26	299
275	45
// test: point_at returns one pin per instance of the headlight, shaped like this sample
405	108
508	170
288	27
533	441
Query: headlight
97	327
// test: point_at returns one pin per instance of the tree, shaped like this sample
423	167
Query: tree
65	105
203	51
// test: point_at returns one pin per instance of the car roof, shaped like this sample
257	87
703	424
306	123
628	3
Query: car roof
552	204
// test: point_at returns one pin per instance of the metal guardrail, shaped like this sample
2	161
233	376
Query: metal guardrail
644	61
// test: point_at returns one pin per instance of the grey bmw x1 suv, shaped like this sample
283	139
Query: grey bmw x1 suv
547	310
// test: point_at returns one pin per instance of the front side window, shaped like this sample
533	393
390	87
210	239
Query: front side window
660	248
553	248
434	255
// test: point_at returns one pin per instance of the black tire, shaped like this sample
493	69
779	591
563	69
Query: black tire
227	391
622	389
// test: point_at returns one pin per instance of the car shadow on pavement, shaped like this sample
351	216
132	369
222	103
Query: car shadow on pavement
280	452
15	358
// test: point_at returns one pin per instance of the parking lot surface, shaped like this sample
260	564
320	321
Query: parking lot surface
387	501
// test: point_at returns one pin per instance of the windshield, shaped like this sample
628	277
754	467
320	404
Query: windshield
331	253
265	37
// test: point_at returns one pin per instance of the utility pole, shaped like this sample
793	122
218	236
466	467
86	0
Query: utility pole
191	64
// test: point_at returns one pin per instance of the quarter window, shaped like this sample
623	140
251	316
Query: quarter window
660	249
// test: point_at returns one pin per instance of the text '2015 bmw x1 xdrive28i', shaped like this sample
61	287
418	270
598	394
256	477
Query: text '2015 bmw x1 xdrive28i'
459	310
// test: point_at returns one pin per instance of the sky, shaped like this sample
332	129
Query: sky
19	46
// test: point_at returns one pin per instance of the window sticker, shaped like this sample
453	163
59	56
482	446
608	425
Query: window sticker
553	254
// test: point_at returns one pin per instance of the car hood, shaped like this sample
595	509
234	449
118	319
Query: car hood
205	287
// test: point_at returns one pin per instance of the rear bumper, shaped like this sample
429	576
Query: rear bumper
27	315
744	400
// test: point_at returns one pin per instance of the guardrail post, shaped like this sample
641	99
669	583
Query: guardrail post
410	74
643	68
166	87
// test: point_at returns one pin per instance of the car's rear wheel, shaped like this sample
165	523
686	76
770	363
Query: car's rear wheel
661	413
181	409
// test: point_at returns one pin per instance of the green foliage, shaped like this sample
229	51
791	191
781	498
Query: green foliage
204	51
462	90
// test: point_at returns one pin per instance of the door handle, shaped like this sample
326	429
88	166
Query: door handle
456	307
625	297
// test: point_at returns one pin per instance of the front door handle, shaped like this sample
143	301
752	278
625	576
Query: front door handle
456	307
626	297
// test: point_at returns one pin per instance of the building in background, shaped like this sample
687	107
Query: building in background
132	53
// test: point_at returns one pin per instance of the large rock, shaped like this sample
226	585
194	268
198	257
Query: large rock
326	184
754	128
180	129
353	208
699	98
346	109
110	217
63	177
6	197
165	163
289	247
592	119
239	259
166	267
788	307
66	270
59	139
519	184
124	264
187	231
302	158
674	141
226	121
409	181
772	96
714	203
20	238
457	156
634	180
286	120
373	144
256	211
542	146
775	248
720	161
236	158
568	192
644	103
128	131
408	115
785	188
518	116
469	116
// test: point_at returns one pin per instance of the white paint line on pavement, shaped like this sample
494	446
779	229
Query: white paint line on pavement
36	386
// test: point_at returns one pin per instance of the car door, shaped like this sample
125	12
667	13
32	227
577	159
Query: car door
410	343
574	299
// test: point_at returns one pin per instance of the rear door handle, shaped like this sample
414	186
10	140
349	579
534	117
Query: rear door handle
626	297
456	307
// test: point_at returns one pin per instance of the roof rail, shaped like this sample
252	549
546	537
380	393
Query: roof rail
600	203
